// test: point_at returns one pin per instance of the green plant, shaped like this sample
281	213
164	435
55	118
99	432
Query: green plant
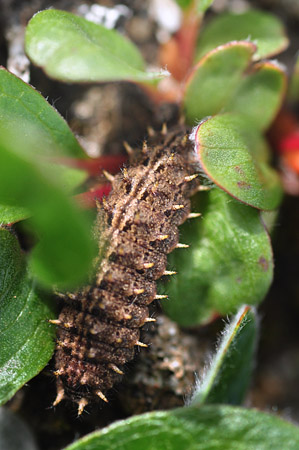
230	97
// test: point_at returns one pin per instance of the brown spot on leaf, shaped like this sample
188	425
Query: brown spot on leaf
239	170
243	185
263	262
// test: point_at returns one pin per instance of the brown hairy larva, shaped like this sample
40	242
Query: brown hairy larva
99	326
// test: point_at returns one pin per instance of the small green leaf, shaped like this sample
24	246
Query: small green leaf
229	261
223	81
261	28
206	428
215	78
14	433
229	374
11	214
65	251
70	48
26	337
223	146
259	96
70	177
293	92
25	112
23	108
269	219
184	4
201	5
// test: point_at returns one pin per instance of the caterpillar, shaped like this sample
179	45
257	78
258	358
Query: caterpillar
98	328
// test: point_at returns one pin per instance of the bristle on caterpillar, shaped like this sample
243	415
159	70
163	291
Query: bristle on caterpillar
98	330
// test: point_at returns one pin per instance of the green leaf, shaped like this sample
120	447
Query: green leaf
23	108
206	428
184	4
70	48
201	5
24	111
70	177
215	78
14	433
259	96
11	214
229	374
223	81
64	253
26	337
261	28
269	219
293	92
224	148
229	261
